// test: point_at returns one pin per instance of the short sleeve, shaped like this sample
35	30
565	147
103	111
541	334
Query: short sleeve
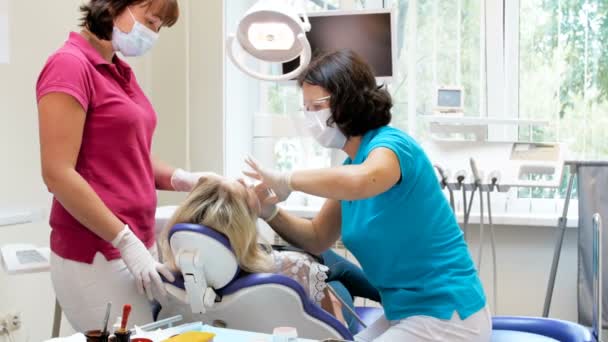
65	73
400	146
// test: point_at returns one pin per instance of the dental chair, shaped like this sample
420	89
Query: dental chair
211	288
221	294
537	329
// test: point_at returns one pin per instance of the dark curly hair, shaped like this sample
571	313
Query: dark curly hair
358	104
98	15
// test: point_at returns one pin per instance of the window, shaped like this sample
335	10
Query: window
563	76
438	45
442	51
563	73
430	53
548	60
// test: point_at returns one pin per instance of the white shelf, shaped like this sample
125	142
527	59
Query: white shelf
529	220
479	121
14	217
505	219
25	258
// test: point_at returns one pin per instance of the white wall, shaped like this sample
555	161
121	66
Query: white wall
179	66
524	256
206	85
34	34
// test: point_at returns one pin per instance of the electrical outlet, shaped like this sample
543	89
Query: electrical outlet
14	321
3	327
10	322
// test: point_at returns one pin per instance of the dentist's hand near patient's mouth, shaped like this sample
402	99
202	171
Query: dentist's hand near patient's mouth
279	182
268	202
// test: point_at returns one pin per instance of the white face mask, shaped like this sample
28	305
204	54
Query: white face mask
135	43
326	136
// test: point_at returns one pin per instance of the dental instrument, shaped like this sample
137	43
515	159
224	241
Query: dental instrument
106	318
494	185
487	188
352	312
460	177
444	184
477	184
126	311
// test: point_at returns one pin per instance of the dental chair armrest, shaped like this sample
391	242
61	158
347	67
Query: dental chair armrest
554	328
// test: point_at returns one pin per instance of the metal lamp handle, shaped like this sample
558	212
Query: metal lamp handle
304	60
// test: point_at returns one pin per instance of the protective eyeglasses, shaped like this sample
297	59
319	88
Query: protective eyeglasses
315	105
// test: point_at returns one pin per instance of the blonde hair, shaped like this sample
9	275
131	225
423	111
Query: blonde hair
217	205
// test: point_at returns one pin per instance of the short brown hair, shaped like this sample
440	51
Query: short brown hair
98	15
358	104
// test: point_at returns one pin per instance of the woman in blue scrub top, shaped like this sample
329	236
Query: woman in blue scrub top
386	204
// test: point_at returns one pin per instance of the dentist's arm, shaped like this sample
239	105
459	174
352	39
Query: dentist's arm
316	235
377	174
167	177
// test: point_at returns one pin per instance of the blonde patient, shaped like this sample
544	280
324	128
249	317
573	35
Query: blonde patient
231	207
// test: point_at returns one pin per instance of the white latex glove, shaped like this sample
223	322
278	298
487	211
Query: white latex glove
182	180
141	264
268	202
279	182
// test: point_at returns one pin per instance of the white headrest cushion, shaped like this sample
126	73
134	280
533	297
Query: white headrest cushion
219	262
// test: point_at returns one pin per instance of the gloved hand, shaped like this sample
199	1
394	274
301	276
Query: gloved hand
141	264
279	182
268	202
182	180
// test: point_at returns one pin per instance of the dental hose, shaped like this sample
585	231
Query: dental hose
481	228
479	185
451	199
444	184
465	212
493	242
352	312
467	215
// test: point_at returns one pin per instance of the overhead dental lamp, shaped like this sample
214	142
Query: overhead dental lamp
272	31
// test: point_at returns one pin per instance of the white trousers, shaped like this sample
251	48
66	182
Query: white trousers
83	291
476	328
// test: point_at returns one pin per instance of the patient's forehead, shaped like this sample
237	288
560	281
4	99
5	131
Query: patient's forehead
214	177
234	185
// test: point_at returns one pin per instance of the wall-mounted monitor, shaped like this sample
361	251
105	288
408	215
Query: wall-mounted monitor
370	33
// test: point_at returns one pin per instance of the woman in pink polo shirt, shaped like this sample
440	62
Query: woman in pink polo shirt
96	128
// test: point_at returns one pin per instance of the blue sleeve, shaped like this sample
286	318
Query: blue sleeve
402	148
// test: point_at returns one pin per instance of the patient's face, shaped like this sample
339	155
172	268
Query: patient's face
247	191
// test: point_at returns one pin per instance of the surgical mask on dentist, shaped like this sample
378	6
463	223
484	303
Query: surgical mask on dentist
135	43
326	136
